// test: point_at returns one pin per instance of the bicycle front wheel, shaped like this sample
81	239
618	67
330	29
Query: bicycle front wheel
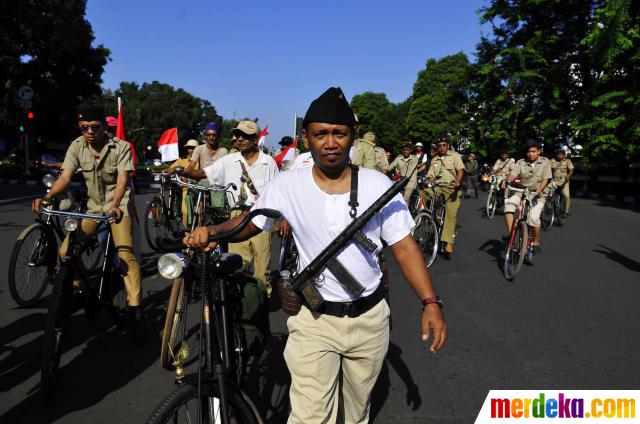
181	406
153	222
560	208
516	250
547	216
173	318
492	204
55	330
32	261
425	233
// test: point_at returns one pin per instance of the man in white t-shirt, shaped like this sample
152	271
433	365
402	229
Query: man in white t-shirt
347	332
250	170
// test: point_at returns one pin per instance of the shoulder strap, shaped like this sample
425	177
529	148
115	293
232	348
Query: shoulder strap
353	196
247	178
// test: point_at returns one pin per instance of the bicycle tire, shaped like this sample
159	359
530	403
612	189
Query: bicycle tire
56	325
492	204
241	408
425	232
152	222
173	317
517	246
559	207
547	217
41	260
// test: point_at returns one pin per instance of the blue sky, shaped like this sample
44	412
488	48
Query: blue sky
270	59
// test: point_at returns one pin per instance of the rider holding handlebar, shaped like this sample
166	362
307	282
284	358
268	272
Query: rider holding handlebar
105	165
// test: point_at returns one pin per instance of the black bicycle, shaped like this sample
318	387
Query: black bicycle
94	289
495	198
34	256
213	397
163	213
554	210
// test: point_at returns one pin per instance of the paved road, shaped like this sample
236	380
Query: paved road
568	322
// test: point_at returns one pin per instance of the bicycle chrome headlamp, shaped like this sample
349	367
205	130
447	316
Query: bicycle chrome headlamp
70	224
48	180
171	265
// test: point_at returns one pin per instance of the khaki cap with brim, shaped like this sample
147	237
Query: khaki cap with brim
246	127
191	143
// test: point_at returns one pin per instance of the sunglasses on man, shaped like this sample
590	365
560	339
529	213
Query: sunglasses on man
210	134
94	128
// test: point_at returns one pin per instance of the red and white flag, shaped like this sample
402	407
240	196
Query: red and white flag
262	138
287	153
120	132
168	145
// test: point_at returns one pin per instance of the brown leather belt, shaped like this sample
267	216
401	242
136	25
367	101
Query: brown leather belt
352	309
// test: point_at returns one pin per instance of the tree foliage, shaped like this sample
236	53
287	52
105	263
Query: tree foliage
47	45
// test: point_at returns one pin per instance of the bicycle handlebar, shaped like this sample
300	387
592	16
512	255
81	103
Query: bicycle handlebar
178	180
77	215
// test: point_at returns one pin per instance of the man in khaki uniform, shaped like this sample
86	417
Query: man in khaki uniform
365	155
382	163
105	165
534	173
447	167
502	168
562	170
406	164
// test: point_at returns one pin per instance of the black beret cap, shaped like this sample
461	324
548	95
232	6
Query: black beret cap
91	113
330	108
531	142
286	140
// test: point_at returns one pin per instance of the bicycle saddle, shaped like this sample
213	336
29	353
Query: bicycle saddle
228	263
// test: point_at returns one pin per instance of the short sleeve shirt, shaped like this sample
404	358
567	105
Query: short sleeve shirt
560	169
382	163
101	175
445	168
228	170
532	173
316	218
203	156
503	168
406	167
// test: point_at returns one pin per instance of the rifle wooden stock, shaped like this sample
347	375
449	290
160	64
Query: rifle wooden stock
316	266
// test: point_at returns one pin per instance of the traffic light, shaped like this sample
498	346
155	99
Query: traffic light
21	129
30	115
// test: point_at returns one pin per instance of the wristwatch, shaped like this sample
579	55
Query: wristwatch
432	299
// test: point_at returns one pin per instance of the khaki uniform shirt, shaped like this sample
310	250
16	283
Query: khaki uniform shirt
445	168
382	163
203	156
405	167
503	168
560	169
183	162
532	174
365	154
101	175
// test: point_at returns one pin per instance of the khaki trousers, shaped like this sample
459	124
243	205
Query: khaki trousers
258	250
408	191
566	193
123	241
318	346
451	206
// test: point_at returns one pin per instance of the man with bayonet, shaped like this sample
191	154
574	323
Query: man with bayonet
339	216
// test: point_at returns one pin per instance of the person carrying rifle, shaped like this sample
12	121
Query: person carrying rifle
347	331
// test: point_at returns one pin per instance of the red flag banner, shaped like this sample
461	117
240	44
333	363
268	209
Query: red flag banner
168	145
287	153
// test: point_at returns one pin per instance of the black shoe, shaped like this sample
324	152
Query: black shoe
536	249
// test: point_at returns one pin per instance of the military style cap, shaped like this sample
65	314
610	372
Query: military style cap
330	108
286	141
370	137
531	142
246	127
191	143
91	113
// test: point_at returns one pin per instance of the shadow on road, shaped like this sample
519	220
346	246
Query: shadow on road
494	248
108	362
618	257
380	391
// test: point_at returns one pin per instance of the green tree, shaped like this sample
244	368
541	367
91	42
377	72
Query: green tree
47	45
440	97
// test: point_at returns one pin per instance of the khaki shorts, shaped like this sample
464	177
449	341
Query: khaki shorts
533	218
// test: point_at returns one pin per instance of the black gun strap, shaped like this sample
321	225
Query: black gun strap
344	277
359	237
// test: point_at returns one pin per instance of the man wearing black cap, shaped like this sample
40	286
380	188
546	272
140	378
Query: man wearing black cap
105	165
534	173
291	157
322	343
